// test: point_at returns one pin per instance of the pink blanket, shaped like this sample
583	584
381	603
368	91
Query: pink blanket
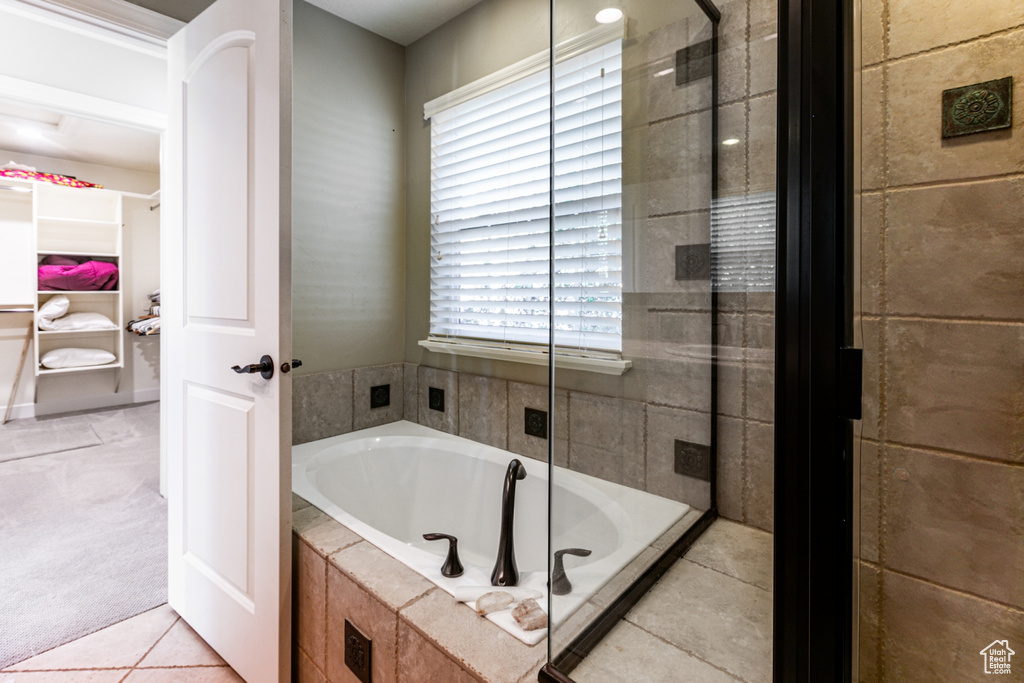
88	276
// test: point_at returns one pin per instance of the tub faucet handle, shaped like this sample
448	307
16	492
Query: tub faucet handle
452	567
560	584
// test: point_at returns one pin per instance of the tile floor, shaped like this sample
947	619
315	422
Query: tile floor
154	647
708	620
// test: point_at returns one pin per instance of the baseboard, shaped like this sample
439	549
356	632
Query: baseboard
71	405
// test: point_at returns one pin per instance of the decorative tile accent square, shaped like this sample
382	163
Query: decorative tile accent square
977	108
357	652
693	262
693	62
693	460
536	422
380	396
435	398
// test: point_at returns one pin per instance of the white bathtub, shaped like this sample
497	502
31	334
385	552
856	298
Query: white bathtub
392	484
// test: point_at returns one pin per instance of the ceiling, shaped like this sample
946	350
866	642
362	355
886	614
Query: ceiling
403	21
30	130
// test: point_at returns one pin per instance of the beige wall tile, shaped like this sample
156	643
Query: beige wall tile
730	468
483	410
522	396
448	381
867	642
956	386
678	159
411	405
956	521
366	378
763	143
347	600
872	396
664	426
606	438
870	497
759	486
872	132
418	660
655	255
916	151
934	634
764	63
665	99
957	250
303	669
321	406
310	600
732	159
916	27
872	29
871	227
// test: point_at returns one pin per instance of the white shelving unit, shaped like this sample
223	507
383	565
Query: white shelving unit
80	223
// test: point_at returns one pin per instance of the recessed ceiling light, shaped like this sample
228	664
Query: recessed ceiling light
731	141
609	15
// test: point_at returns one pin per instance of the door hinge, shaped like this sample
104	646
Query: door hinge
851	368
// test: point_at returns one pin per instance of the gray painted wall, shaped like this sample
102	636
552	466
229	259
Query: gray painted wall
348	279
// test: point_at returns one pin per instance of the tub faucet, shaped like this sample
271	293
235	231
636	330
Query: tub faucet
505	572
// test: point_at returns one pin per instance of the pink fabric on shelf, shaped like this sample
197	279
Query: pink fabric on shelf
55	260
88	276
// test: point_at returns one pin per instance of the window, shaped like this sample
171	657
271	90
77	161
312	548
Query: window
490	203
743	243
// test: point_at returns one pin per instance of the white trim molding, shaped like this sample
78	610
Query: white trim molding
77	104
531	65
112	20
563	361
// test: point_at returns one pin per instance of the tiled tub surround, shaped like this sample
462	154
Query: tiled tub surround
622	441
942	318
395	482
419	632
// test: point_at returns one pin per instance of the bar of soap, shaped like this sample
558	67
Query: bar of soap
529	615
494	601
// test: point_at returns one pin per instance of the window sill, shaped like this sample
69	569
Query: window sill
604	366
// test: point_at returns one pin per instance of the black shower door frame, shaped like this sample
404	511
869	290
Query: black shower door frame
817	390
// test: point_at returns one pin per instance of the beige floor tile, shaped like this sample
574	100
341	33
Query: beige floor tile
104	676
700	610
629	649
202	674
120	645
181	646
737	550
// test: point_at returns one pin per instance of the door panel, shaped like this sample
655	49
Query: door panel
229	434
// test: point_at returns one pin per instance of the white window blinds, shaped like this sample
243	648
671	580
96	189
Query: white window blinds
743	243
490	203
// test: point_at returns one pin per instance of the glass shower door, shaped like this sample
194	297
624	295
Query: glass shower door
663	243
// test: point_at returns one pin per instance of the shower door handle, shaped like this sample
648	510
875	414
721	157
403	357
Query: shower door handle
265	367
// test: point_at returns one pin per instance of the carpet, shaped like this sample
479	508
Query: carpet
83	534
43	439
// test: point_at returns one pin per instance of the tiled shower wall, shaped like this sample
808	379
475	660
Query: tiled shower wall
943	324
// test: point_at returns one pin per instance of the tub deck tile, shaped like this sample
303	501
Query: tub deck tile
324	534
387	579
475	643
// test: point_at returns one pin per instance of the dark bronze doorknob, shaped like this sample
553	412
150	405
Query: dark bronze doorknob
265	367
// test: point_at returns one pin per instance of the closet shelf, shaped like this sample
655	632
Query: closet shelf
62	333
83	221
63	252
85	368
79	291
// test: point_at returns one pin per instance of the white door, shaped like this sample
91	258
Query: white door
226	284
